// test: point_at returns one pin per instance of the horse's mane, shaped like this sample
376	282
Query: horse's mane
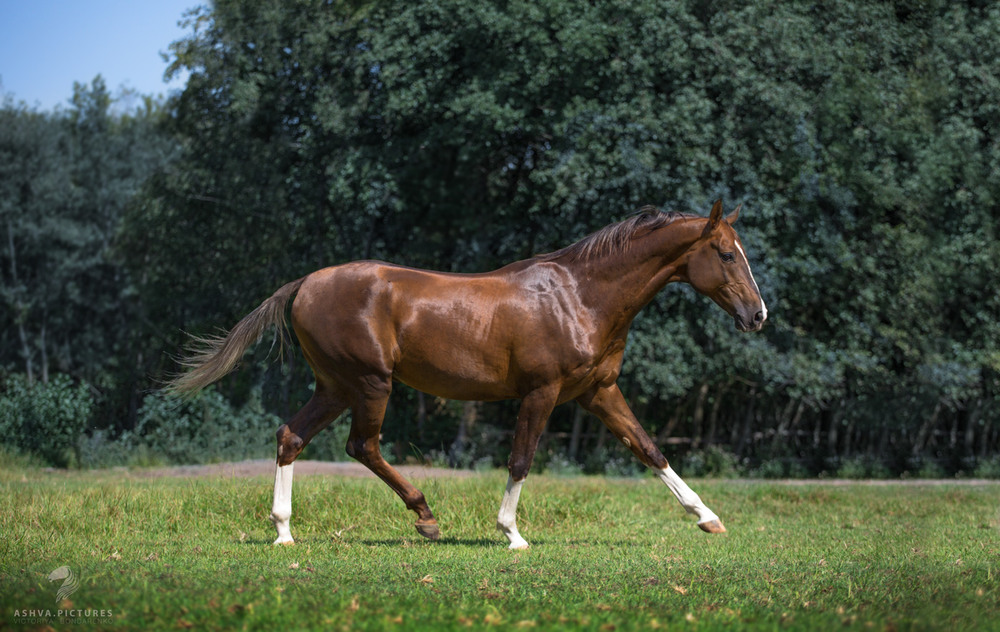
616	238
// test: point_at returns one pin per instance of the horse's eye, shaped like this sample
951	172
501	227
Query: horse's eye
728	257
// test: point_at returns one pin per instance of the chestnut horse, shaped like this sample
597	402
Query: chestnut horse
545	330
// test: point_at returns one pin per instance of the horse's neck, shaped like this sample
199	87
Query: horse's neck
621	284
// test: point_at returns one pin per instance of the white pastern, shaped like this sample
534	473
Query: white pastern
507	518
281	510
688	499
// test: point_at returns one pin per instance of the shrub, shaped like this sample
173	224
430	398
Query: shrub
931	469
797	469
13	460
771	468
99	449
713	461
863	466
987	468
203	429
924	467
45	418
559	464
330	444
613	460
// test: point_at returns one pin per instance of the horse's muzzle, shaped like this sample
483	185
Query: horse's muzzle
755	323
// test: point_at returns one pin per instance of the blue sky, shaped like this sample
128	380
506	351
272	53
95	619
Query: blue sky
46	45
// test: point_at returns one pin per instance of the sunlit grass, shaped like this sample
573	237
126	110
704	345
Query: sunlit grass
606	554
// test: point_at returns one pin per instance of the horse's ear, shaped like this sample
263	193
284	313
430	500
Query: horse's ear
735	215
714	217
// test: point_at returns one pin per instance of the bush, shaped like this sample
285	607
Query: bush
713	461
987	468
863	466
15	461
924	467
330	444
203	429
99	450
558	463
771	468
613	460
797	469
852	468
45	419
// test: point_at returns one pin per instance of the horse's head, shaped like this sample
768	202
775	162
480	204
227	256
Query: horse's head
717	267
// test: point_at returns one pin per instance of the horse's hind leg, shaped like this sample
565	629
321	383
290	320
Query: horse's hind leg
317	414
362	444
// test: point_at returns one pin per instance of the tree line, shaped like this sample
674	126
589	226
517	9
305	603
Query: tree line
459	135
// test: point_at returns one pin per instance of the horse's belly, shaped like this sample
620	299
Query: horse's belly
461	379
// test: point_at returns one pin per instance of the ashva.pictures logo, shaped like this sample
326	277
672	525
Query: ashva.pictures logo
44	616
69	585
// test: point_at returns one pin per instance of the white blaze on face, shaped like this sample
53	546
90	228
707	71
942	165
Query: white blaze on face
688	499
763	307
507	518
281	510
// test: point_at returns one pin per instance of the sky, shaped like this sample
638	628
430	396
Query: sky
46	45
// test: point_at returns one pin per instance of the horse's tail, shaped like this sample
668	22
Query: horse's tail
211	357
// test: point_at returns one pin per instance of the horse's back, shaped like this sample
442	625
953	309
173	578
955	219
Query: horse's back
447	334
483	336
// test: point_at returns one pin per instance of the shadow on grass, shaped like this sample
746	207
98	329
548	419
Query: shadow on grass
387	542
254	542
481	542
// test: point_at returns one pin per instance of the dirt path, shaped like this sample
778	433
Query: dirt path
877	482
265	467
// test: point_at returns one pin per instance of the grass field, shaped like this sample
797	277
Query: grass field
171	553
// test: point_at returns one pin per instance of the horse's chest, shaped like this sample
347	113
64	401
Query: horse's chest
602	367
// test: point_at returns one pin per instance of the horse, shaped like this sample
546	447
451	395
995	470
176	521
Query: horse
545	330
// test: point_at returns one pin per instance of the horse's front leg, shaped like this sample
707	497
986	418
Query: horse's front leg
531	418
609	405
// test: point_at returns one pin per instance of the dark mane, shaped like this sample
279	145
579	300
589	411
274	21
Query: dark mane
616	238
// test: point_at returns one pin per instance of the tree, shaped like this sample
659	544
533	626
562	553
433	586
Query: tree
35	183
67	180
461	135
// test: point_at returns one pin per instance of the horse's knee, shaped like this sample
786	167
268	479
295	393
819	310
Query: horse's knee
289	445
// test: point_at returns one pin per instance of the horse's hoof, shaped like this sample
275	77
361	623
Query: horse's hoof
712	526
281	542
429	530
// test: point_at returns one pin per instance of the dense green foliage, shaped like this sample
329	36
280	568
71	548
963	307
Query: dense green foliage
44	419
460	135
205	428
606	554
68	305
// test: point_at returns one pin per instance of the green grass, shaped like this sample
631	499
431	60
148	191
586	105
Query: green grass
606	555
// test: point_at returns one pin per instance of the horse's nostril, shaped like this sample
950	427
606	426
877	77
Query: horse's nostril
758	318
